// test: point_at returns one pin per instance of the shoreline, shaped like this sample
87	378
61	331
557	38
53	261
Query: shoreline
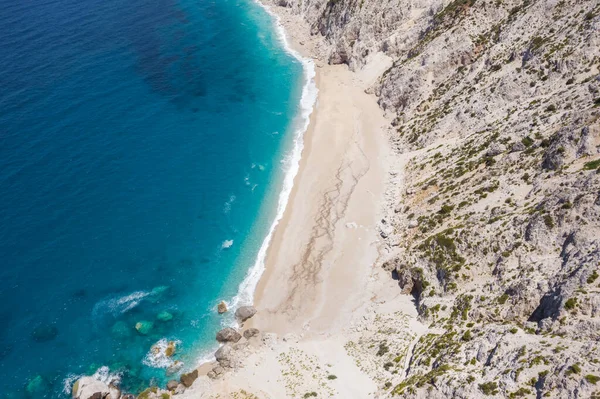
343	165
314	281
306	106
322	291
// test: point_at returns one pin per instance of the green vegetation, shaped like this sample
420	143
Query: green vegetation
489	388
592	277
332	377
548	221
383	348
503	298
574	369
571	303
146	393
467	336
310	394
592	165
592	379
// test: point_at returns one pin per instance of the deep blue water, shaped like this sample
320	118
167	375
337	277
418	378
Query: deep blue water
136	138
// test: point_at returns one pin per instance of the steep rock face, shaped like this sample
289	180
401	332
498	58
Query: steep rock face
494	222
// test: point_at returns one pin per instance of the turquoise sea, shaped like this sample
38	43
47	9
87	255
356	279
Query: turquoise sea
147	147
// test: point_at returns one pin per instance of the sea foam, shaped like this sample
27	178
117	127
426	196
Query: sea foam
291	162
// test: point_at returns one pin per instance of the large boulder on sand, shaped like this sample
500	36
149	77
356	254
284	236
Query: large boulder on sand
172	385
91	388
188	379
243	313
228	335
251	332
224	356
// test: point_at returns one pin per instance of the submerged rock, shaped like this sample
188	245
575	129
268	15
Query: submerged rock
120	329
222	307
175	367
245	312
164	316
157	293
170	351
188	379
37	387
144	327
44	333
228	335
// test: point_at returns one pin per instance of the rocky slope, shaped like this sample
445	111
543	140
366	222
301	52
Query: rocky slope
496	227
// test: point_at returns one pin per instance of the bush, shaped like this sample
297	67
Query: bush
446	209
592	379
332	377
591	165
503	298
467	336
309	394
571	303
548	221
574	369
383	349
592	277
489	388
527	141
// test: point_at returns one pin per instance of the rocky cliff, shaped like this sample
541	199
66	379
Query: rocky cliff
494	216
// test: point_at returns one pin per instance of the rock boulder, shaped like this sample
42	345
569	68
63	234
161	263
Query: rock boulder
251	332
243	313
91	388
188	379
228	335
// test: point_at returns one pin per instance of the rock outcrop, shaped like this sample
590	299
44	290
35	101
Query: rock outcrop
493	223
188	379
243	313
228	335
91	388
251	332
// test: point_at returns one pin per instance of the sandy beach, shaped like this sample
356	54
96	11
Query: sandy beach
326	243
322	287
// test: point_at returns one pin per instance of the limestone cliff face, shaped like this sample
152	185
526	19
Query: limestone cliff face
496	230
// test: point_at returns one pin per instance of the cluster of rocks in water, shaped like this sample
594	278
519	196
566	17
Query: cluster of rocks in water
227	357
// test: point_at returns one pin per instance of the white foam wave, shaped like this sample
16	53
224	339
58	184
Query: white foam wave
157	355
291	162
121	304
226	244
103	374
228	204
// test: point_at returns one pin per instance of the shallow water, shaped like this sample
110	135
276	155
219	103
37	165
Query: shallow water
141	149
